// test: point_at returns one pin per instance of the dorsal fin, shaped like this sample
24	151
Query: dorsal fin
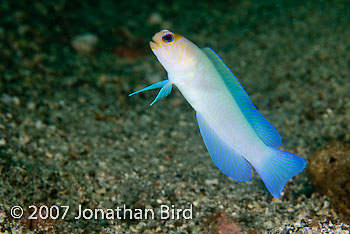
263	128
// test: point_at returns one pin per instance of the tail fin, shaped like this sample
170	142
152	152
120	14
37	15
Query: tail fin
278	168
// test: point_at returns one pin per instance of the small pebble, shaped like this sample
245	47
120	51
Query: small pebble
85	43
155	18
2	142
211	181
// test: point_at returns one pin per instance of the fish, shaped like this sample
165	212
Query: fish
236	135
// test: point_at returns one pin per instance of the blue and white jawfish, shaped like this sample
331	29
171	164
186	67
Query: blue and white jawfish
236	134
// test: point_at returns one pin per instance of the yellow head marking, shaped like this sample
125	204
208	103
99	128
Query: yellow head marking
164	39
170	38
173	51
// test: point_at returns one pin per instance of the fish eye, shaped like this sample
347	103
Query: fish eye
168	38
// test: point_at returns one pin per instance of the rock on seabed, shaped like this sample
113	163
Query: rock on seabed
329	170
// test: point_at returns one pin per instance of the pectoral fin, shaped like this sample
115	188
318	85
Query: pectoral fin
165	90
153	86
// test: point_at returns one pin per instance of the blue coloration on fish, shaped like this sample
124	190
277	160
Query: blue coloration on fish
261	125
235	133
226	159
165	90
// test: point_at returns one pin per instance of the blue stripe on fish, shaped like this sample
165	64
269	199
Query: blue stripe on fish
263	128
276	167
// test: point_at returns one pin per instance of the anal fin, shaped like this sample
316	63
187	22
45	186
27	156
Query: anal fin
225	158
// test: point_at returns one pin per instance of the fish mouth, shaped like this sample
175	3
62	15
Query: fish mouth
153	45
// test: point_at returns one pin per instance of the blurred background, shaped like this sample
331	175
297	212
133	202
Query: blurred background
70	135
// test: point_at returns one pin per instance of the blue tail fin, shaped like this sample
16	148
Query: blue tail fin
278	168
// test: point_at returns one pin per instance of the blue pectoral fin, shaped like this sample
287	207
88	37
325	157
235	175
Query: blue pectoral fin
278	168
164	91
263	128
225	158
153	86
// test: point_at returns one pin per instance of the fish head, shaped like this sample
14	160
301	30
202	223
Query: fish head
173	51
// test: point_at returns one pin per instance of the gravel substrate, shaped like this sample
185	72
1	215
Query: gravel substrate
70	135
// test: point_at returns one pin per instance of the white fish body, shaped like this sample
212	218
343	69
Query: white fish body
234	132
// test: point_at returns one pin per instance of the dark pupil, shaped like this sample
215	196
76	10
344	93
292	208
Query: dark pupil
168	37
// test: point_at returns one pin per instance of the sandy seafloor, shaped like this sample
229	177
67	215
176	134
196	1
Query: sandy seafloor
70	135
